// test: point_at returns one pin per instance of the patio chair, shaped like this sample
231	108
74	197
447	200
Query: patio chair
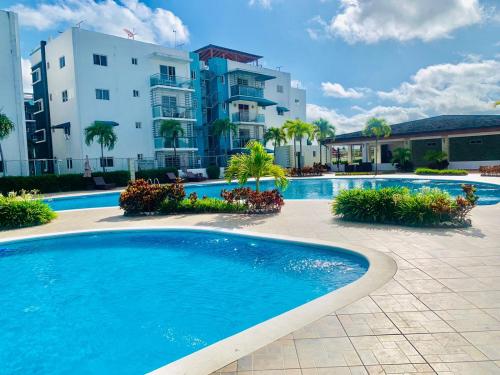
101	184
195	177
171	177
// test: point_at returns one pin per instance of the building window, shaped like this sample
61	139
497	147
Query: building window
297	101
243	81
193	74
100	60
48	65
476	142
64	95
50	97
431	144
222	79
69	163
280	111
38	106
140	156
279	88
107	161
314	154
62	62
135	93
35	76
67	131
102	94
138	125
134	60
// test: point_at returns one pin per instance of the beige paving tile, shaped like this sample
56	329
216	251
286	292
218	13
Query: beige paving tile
278	355
367	324
493	312
492	283
392	287
481	271
468	284
483	299
388	349
354	370
466	368
444	301
445	347
469	320
487	342
414	368
419	322
443	272
364	305
328	326
326	352
411	274
424	286
398	303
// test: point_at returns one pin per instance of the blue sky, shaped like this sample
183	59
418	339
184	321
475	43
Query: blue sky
357	58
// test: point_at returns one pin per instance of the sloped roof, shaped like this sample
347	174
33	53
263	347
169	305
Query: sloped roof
212	50
438	124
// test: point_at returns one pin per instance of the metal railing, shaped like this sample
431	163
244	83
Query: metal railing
159	79
245	117
247	91
173	112
242	142
181	142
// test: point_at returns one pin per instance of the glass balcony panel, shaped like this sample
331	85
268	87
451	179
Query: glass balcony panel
170	81
242	142
173	112
255	92
246	117
181	142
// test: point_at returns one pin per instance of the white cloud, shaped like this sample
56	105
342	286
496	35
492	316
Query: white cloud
336	90
370	21
266	4
466	87
346	124
26	73
108	16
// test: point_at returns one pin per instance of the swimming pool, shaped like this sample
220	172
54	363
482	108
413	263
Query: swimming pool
297	189
127	302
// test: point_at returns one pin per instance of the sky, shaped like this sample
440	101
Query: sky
396	59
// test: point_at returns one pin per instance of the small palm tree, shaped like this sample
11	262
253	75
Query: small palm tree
223	128
297	130
105	135
402	159
171	130
376	127
257	163
277	136
6	127
323	130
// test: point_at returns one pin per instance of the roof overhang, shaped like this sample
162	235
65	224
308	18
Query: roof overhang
257	75
260	101
212	50
167	56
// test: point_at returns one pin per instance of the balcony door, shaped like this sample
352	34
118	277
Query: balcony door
244	137
244	111
167	73
169	106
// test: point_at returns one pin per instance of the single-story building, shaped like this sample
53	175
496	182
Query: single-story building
470	141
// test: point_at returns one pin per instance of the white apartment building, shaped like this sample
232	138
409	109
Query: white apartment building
128	84
11	97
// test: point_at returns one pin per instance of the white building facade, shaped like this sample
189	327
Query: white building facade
11	97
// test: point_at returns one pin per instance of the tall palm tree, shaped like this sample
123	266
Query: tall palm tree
171	130
6	127
290	128
376	127
277	136
257	163
298	129
323	130
223	128
104	134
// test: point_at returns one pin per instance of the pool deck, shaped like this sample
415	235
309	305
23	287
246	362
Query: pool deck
440	313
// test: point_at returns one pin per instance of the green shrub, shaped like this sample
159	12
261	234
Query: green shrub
23	210
205	205
441	172
213	172
51	183
396	205
141	197
160	174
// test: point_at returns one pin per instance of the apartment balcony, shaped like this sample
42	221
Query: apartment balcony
180	143
169	81
249	93
242	142
246	117
177	112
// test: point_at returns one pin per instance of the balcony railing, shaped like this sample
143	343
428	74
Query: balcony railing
182	142
242	142
255	92
246	117
159	79
173	112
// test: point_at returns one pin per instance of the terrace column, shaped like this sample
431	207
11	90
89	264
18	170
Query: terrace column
349	154
445	146
379	154
364	152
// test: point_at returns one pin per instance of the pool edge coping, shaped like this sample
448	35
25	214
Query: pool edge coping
221	353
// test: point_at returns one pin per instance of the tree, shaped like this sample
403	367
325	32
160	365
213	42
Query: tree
297	130
277	136
402	159
257	163
104	134
223	128
376	127
6	127
323	130
171	130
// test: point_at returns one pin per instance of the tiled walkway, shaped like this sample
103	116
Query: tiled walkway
439	314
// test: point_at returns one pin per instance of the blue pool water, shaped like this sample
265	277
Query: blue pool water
297	189
130	302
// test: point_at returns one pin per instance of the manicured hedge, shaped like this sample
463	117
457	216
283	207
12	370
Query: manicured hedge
397	205
205	205
441	172
23	211
51	183
213	172
160	174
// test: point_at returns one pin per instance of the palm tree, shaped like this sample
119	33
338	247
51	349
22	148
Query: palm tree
6	127
297	130
171	130
323	130
257	163
222	128
402	159
376	127
105	135
289	128
277	136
